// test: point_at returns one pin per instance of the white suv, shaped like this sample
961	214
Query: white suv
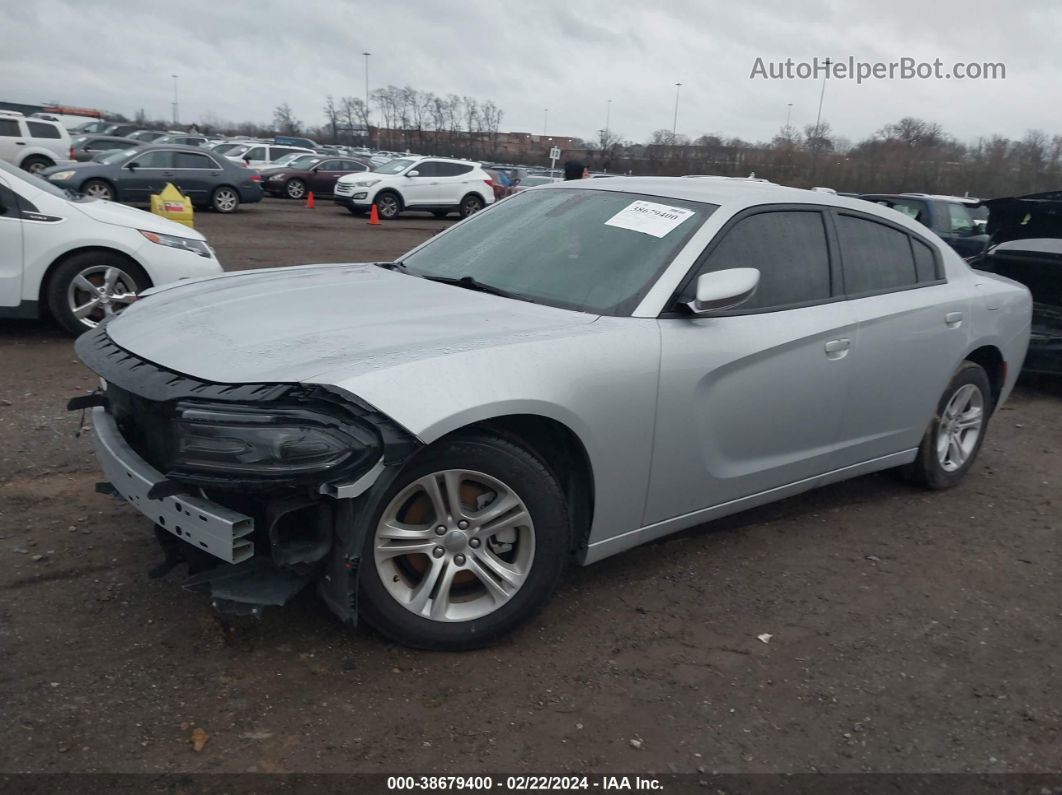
434	184
33	144
262	155
79	259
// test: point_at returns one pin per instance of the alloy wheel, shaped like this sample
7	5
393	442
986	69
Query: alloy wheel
225	200
99	292
454	545
960	427
296	189
387	205
99	190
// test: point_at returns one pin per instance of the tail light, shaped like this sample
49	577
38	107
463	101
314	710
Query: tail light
71	151
490	183
256	177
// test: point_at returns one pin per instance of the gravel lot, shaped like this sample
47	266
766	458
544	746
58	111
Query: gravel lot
911	631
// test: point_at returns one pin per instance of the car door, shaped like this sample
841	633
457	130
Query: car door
323	176
145	174
255	156
11	140
11	262
911	333
195	174
458	180
422	188
752	399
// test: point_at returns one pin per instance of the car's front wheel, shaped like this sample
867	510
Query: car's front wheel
98	189
472	540
954	436
91	286
388	205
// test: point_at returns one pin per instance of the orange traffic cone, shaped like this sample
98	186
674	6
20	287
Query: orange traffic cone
374	217
309	200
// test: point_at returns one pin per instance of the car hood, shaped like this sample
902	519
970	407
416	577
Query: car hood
289	325
121	215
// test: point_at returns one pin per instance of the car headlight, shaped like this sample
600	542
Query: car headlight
268	443
276	177
59	176
188	244
365	183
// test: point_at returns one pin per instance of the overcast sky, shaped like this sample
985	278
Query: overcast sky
238	59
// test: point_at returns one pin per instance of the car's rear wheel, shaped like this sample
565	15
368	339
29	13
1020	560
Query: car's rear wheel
472	203
98	189
954	437
388	205
295	189
91	286
472	540
225	199
35	164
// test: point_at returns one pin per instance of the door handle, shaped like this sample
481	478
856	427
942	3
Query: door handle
20	143
837	349
953	319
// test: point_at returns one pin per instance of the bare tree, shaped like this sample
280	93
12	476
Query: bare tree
284	120
331	112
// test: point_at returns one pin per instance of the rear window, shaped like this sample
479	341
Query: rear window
9	128
40	129
876	257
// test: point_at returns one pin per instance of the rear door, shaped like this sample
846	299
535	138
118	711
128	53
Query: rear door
11	262
456	182
196	174
323	176
911	334
753	399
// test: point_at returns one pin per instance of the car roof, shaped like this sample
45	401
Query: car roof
733	194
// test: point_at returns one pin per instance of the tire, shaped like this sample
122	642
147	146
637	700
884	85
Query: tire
481	465
225	199
355	211
295	189
98	189
66	292
388	205
35	164
948	449
440	213
472	203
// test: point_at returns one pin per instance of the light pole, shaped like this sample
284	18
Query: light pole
608	116
674	123
368	140
174	98
788	114
545	120
818	123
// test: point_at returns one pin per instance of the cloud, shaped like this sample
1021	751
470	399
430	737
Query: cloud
239	59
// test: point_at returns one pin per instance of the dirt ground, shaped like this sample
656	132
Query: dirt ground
911	631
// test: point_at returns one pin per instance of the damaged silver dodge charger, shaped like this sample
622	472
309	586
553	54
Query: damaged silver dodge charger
577	370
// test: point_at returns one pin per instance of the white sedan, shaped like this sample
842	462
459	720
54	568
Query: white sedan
80	259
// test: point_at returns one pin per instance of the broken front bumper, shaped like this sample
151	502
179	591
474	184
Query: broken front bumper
221	531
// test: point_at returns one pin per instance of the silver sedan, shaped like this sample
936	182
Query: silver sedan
577	370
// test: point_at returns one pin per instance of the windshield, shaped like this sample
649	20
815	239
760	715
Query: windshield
394	167
589	250
298	160
116	156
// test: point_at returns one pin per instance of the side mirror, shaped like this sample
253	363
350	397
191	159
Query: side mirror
412	173
725	289
247	160
131	166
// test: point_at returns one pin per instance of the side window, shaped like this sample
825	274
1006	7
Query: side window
787	247
277	152
38	129
428	168
331	165
353	165
925	261
876	257
459	169
194	160
959	219
8	203
9	128
104	146
160	158
258	153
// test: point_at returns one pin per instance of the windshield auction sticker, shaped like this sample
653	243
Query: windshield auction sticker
649	218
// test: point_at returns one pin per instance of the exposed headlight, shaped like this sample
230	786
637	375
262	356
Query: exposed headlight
268	443
59	176
277	177
195	246
364	183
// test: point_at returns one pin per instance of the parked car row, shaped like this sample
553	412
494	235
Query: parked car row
433	184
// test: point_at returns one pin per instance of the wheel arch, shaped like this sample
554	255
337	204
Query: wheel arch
49	273
394	192
561	449
110	182
995	366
